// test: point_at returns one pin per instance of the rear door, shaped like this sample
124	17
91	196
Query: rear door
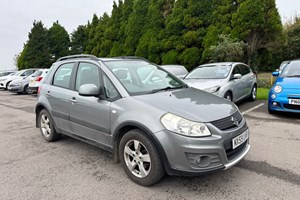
59	94
90	116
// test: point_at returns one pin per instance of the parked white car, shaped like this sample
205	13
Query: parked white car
5	81
6	73
36	79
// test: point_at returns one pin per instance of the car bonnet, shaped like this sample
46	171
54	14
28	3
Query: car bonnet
191	103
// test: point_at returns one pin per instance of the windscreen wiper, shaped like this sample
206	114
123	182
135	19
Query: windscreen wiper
167	88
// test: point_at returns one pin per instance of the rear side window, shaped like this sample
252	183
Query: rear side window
62	76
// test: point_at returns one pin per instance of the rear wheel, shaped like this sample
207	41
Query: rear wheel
47	127
228	96
140	158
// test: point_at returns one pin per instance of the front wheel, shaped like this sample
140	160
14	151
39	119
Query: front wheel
228	96
140	158
253	93
27	90
47	127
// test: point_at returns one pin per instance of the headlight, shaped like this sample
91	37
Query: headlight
3	79
213	89
183	126
277	89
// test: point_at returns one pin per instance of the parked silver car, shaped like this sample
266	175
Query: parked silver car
178	70
152	125
231	80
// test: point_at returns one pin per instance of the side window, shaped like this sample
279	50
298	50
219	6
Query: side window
62	76
244	69
110	90
87	74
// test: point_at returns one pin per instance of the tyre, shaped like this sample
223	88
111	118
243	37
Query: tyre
271	111
228	96
253	93
47	127
6	86
140	158
27	90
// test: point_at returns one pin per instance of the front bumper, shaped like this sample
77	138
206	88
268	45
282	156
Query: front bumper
213	153
16	89
281	101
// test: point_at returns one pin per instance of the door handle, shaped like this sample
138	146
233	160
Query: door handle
73	100
48	94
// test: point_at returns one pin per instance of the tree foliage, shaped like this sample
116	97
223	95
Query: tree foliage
187	32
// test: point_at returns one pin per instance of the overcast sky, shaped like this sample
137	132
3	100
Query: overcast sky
17	16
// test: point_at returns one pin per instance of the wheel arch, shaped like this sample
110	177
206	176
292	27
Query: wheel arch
127	126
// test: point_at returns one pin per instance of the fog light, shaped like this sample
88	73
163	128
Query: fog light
203	160
273	96
274	103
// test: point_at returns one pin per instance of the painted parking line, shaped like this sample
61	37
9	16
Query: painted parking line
254	108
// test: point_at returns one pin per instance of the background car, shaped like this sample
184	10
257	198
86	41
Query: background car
232	80
284	95
36	79
178	70
22	85
5	73
5	81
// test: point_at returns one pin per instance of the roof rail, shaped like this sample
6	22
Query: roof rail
92	57
131	57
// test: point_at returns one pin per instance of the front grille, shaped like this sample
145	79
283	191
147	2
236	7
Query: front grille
233	153
228	122
291	107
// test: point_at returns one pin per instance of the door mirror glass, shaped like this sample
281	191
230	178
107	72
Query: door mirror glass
88	90
237	76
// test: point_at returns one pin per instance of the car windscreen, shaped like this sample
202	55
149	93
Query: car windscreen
291	70
210	72
19	73
141	77
283	64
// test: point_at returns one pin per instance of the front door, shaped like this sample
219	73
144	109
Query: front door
90	116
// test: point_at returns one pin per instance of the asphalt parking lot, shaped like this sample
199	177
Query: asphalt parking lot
31	168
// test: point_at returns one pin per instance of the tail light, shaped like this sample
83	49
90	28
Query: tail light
39	89
39	78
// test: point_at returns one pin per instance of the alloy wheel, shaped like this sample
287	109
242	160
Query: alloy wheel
137	158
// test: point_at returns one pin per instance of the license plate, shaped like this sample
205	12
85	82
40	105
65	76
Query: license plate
237	141
294	101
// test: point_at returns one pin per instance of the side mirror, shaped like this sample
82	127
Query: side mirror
88	90
275	73
237	76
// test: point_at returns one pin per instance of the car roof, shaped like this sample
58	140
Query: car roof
219	63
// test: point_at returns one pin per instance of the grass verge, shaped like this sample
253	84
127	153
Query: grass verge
262	93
